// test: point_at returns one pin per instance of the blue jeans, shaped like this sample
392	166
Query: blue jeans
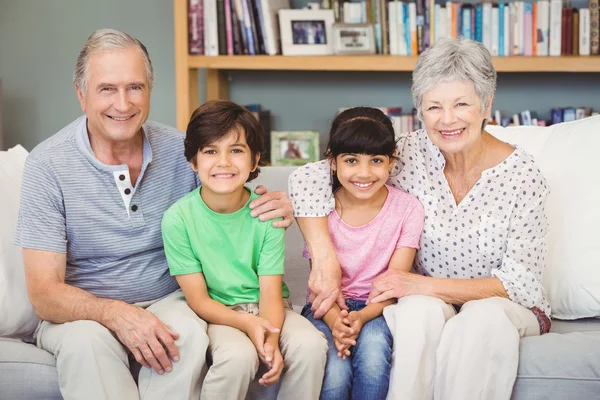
365	375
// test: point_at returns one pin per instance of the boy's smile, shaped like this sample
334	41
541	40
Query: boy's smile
223	168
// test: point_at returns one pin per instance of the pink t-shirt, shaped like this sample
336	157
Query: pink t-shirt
365	251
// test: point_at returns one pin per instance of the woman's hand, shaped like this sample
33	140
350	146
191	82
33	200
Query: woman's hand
271	205
396	284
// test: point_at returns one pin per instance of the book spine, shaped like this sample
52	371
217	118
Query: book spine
228	27
413	28
211	30
236	35
420	4
527	29
584	32
495	31
534	34
479	23
543	24
555	27
575	33
384	28
487	25
594	27
501	53
466	22
195	27
427	25
221	28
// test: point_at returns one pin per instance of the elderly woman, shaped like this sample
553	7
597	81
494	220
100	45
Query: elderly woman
477	287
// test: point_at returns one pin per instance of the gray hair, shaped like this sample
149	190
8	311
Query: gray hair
454	59
108	39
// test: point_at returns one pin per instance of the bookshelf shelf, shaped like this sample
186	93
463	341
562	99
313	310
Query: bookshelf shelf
186	66
384	63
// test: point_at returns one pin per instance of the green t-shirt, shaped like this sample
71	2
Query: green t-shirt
231	250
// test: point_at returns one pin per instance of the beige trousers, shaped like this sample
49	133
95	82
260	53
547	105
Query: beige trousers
92	364
472	355
235	362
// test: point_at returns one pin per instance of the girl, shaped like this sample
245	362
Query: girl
374	227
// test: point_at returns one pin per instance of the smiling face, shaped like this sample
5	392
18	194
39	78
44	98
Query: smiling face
224	166
453	117
362	176
117	101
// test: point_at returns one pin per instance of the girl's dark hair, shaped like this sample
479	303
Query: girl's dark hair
216	119
361	130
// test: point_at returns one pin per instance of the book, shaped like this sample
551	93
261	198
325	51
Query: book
196	27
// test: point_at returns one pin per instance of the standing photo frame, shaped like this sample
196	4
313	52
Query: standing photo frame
353	39
306	32
294	147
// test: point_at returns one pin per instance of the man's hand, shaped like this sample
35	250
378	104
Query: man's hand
394	283
274	360
150	341
271	205
324	284
257	329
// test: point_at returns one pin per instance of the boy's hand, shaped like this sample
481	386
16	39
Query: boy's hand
274	360
343	335
256	328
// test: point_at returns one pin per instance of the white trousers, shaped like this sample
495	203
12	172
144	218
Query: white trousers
441	355
93	365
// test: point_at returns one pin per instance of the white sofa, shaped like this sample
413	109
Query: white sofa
564	364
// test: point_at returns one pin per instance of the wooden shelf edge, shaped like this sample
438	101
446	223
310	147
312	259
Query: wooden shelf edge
385	63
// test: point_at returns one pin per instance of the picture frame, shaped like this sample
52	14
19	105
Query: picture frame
294	147
306	32
353	39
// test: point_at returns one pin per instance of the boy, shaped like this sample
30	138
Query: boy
230	265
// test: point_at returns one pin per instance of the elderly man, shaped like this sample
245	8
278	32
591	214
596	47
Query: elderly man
91	207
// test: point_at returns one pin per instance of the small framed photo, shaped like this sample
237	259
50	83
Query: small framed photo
306	32
353	39
294	147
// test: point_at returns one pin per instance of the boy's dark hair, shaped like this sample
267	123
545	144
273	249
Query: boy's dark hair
361	130
216	119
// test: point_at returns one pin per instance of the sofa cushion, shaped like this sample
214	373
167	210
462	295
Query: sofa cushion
18	319
296	267
567	155
26	372
561	365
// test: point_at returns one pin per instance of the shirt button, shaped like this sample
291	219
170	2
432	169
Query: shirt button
134	208
121	177
127	191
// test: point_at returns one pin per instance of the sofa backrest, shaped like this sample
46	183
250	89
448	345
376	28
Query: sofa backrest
567	155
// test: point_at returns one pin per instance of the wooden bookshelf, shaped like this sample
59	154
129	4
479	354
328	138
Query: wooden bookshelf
186	66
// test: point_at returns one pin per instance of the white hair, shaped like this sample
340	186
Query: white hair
108	39
454	60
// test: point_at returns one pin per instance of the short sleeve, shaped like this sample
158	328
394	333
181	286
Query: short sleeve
410	234
41	224
178	248
272	253
310	190
527	244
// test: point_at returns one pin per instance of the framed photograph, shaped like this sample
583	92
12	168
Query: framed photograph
353	39
294	147
306	32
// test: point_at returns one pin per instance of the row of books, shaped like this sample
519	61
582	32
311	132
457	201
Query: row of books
530	118
233	27
542	28
518	28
